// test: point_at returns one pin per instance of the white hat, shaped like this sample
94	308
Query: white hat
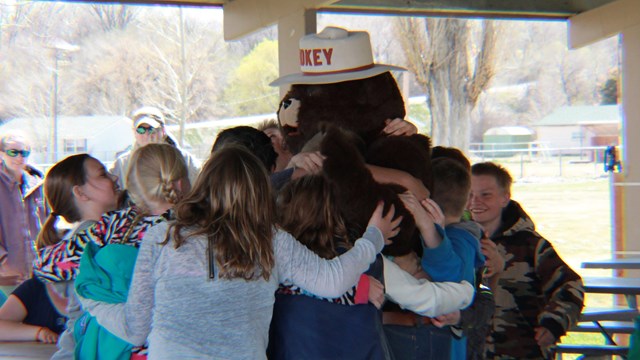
335	55
148	115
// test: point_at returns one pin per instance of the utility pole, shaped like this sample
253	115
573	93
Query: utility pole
59	47
183	87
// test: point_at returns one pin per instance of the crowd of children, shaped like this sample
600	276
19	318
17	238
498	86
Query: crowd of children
251	258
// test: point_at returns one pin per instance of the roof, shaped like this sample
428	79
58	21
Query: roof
242	17
463	8
249	120
583	115
509	130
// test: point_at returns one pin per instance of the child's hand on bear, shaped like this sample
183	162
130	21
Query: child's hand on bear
433	209
307	162
399	127
385	223
426	213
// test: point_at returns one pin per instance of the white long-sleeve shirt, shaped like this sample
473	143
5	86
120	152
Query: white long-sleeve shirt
423	296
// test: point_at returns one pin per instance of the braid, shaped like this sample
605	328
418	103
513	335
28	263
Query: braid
152	175
169	192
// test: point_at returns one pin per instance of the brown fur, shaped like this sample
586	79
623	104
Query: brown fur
362	107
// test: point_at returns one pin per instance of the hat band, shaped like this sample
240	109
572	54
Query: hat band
360	68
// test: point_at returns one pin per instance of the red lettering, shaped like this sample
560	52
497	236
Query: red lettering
307	57
301	57
327	55
316	57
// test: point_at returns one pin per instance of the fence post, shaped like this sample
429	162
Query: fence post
560	163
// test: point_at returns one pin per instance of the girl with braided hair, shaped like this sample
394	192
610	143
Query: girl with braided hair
156	179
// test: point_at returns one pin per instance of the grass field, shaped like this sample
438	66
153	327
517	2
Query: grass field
574	213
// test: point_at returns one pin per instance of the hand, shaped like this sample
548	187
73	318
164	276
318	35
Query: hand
310	162
433	209
47	336
447	319
416	209
386	224
399	127
544	337
426	212
376	292
494	261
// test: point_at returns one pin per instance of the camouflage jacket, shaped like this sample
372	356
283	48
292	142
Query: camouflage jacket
536	289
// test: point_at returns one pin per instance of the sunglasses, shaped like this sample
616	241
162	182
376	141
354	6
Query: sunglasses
14	153
145	130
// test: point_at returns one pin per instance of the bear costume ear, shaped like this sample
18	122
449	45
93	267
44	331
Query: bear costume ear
357	193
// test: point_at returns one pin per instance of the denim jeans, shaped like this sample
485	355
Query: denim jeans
419	342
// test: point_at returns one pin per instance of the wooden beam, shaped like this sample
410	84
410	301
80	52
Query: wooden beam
242	17
603	22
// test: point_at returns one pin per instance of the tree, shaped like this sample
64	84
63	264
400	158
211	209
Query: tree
454	63
609	90
113	17
248	91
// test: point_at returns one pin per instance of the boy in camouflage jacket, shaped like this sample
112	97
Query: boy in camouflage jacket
538	296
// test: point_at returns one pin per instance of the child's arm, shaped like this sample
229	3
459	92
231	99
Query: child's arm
426	214
478	314
424	297
331	278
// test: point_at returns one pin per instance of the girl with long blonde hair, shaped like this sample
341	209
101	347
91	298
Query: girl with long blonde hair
156	179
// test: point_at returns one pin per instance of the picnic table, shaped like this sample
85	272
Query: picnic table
629	287
26	350
607	321
629	263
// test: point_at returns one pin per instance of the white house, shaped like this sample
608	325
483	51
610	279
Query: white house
101	136
580	126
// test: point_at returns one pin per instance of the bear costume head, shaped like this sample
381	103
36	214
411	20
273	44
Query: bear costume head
341	101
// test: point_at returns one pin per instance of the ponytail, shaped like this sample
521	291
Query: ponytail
48	235
58	191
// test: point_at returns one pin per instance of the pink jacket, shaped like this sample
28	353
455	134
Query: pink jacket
21	216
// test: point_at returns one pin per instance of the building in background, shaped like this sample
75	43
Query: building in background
577	127
101	136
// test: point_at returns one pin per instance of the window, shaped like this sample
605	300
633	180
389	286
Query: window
72	146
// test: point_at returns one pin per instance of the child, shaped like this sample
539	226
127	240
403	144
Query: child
79	189
451	253
207	280
318	329
34	311
156	179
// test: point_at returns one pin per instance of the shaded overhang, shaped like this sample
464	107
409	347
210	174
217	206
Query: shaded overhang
256	14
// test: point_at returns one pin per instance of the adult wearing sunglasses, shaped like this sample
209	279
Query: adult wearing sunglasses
22	211
148	128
